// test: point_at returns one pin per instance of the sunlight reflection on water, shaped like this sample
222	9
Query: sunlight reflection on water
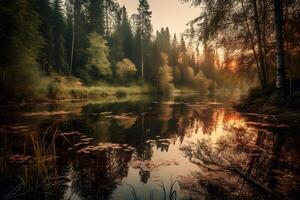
143	143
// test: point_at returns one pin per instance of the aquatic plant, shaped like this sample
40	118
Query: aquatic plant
36	173
170	194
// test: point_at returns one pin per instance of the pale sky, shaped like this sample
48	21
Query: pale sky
171	13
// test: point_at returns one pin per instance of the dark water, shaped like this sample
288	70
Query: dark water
114	148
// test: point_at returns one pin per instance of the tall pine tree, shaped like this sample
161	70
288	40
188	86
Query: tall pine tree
59	55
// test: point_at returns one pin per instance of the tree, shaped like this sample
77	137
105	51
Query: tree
174	54
127	35
80	29
125	70
165	76
111	16
280	64
116	47
59	54
143	28
201	83
261	58
22	41
96	16
98	66
46	28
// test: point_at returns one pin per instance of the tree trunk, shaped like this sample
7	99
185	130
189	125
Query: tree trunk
280	68
106	19
252	45
259	46
73	41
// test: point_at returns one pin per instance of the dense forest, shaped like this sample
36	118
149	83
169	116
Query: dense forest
99	100
87	48
261	37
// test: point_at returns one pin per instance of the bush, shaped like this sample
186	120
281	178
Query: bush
121	93
98	65
201	83
56	91
125	69
165	76
21	83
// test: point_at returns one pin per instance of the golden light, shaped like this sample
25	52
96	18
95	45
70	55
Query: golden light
233	65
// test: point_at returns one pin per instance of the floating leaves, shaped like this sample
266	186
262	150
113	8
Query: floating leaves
19	158
104	147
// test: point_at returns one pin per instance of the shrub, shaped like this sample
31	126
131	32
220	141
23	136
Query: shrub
56	91
165	76
201	83
125	69
98	52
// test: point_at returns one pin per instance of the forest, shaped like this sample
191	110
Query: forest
110	99
89	49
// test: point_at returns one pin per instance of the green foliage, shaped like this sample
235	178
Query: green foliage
127	35
98	66
143	20
165	76
96	16
59	52
67	37
22	43
56	91
44	10
201	83
125	70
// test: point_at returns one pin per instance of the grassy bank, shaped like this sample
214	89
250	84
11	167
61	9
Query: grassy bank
271	106
67	88
58	91
269	102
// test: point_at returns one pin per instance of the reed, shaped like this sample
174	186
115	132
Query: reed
5	153
170	194
39	174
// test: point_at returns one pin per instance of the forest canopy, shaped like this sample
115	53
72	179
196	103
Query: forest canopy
95	43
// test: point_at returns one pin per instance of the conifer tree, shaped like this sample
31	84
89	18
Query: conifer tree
22	41
59	55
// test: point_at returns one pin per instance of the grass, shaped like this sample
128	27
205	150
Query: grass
269	101
71	88
5	152
37	175
170	194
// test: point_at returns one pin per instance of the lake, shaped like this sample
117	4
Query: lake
144	147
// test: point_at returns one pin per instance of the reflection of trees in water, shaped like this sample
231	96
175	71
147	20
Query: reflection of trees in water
97	176
259	155
251	155
144	175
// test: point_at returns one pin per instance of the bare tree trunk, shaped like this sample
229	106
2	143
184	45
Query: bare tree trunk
2	84
73	41
280	68
259	45
264	43
142	66
106	19
252	45
287	47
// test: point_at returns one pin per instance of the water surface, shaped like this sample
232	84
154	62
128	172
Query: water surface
113	148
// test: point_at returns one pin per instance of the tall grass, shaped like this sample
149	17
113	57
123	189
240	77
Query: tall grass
73	90
170	194
5	152
39	174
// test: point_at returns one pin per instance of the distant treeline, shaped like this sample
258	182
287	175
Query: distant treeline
96	41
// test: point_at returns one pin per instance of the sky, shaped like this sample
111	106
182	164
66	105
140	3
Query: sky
171	13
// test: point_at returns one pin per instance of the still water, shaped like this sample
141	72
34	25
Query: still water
142	147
